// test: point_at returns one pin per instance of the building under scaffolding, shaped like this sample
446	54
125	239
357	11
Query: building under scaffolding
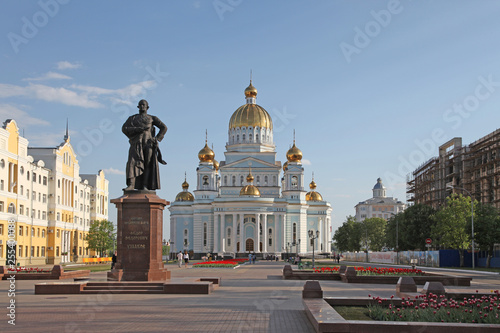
475	168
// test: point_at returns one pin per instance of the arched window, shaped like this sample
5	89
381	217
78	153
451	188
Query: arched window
270	237
241	180
225	180
294	232
12	208
295	182
265	180
274	181
234	180
257	180
256	138
228	236
205	180
237	138
250	137
243	137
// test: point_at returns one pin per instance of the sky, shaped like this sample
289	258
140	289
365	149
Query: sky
371	88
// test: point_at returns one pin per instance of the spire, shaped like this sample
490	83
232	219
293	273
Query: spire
66	136
206	136
294	136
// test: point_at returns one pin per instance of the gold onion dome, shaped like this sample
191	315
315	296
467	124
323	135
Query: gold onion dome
251	91
251	114
184	195
294	154
206	154
216	165
250	189
313	195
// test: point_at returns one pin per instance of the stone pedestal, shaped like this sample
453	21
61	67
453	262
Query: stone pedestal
140	235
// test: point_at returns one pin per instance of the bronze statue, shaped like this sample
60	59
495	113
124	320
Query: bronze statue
144	155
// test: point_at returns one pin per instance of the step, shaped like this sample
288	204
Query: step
130	291
114	288
122	284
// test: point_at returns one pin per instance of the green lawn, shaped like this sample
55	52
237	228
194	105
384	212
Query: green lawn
92	268
353	312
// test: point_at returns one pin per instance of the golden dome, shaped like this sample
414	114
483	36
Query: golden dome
285	166
250	115
294	154
184	195
206	154
313	196
216	165
250	91
312	185
250	190
250	178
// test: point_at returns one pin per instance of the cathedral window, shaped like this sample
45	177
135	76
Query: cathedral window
275	183
225	180
243	138
295	182
256	138
257	180
205	232
234	180
238	230
270	237
294	232
250	137
241	180
265	180
205	180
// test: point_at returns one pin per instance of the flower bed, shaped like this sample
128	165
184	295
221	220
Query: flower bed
230	263
434	308
19	270
373	271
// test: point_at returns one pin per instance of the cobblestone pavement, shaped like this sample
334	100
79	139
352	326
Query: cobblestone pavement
252	298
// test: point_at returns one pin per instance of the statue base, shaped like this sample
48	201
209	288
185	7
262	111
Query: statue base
140	235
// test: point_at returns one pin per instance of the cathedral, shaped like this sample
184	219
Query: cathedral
243	205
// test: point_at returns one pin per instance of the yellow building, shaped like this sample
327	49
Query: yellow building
51	204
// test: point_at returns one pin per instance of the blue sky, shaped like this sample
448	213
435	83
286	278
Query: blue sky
372	88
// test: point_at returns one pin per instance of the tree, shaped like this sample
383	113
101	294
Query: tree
373	233
413	228
101	236
347	236
486	228
450	230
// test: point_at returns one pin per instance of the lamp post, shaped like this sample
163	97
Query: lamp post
313	237
366	242
471	217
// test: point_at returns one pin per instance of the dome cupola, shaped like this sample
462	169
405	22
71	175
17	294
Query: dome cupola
250	190
184	195
206	154
294	154
250	114
313	195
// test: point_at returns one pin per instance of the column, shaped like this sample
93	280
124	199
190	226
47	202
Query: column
234	234
222	235
265	234
242	247
216	239
257	228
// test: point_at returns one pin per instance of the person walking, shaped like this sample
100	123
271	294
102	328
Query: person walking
113	260
186	259
179	258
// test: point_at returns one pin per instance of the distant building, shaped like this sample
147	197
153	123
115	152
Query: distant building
48	202
475	168
378	206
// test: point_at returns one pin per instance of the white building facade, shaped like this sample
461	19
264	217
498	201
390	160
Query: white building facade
243	205
378	206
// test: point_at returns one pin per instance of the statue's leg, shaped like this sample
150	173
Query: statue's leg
146	176
131	184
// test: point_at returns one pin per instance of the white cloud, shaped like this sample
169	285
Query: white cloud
113	171
67	65
22	117
50	139
49	76
306	162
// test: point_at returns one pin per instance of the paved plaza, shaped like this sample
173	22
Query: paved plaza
252	298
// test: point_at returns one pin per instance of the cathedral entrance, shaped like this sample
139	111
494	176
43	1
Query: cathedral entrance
249	245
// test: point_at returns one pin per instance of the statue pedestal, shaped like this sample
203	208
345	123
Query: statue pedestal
140	235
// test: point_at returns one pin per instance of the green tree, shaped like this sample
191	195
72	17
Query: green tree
347	236
373	233
451	224
101	236
413	228
486	228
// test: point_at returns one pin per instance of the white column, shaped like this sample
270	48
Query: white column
242	248
222	234
265	234
216	238
257	227
234	234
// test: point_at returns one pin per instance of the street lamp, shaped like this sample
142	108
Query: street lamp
313	237
471	217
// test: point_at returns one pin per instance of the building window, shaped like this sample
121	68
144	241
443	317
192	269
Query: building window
12	208
34	177
57	251
20	231
294	231
20	250
295	182
225	180
205	180
57	233
43	233
21	189
44	180
58	216
205	234
228	236
234	180
1	206
257	180
43	251
44	198
1	229
241	180
270	237
265	180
